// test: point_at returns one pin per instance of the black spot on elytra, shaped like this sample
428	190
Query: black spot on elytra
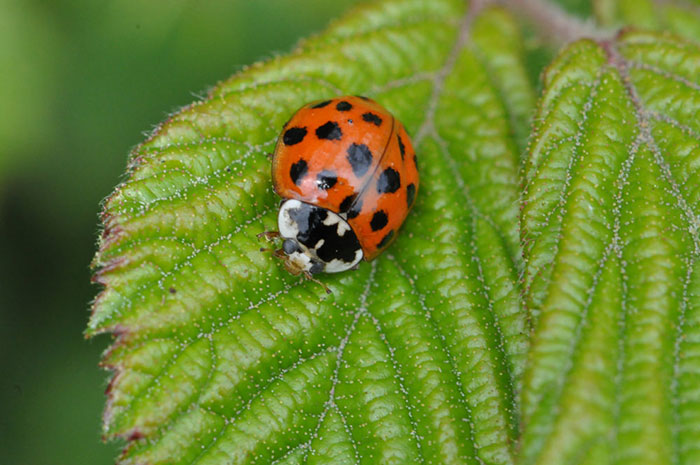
372	118
355	209
415	160
326	179
386	239
410	194
293	136
298	171
321	104
389	181
343	106
379	220
309	219
330	131
347	203
402	148
360	158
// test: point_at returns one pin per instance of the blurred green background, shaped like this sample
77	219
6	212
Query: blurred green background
81	83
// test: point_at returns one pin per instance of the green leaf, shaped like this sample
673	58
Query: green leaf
610	225
221	356
679	16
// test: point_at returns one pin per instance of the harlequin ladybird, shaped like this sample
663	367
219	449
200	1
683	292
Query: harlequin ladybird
346	171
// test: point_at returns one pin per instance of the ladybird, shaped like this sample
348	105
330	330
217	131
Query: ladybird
346	171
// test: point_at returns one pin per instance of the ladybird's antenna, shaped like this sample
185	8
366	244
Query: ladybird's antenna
269	235
277	253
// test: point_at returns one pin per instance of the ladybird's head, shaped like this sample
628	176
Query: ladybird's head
316	239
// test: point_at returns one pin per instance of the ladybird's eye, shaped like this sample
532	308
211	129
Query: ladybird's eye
290	246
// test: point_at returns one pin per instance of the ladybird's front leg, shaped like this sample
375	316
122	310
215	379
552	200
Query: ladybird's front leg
310	277
277	253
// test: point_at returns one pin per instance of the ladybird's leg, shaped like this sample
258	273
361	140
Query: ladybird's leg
310	277
269	235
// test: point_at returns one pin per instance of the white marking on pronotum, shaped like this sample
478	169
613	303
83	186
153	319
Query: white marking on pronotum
287	226
301	260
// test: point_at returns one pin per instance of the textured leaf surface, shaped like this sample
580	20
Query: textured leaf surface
678	16
222	357
610	223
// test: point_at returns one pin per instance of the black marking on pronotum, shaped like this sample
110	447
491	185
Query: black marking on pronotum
347	203
330	131
386	239
326	179
355	209
379	220
309	219
298	171
402	148
293	136
343	106
410	194
372	118
321	104
389	181
360	158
